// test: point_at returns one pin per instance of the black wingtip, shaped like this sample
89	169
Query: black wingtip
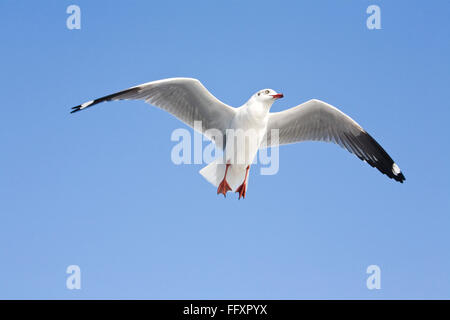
75	109
369	150
114	96
400	177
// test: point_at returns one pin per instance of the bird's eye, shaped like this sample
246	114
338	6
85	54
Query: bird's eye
267	91
259	93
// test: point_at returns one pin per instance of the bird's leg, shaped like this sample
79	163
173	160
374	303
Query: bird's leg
243	187
223	186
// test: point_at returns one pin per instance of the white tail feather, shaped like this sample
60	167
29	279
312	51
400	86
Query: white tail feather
215	171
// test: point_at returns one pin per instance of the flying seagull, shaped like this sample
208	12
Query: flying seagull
189	101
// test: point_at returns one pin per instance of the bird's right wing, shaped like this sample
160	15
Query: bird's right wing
316	120
185	98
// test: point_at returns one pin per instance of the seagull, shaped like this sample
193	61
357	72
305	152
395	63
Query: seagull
189	101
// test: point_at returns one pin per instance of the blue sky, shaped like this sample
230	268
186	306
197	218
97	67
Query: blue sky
98	189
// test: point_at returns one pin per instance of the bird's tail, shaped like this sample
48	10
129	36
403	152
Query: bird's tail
215	171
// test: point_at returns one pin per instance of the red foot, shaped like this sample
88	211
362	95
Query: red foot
242	189
223	188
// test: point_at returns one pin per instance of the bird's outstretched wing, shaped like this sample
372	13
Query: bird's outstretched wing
185	98
316	120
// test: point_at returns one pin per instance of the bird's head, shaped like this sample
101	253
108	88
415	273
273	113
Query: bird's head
267	96
261	101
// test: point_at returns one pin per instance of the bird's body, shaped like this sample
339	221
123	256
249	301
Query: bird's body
250	120
242	142
242	131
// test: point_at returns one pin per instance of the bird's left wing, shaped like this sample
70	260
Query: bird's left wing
316	120
185	98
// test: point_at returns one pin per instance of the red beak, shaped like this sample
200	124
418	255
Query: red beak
277	96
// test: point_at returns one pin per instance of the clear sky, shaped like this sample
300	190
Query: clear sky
98	188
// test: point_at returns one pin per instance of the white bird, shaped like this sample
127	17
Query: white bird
188	100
